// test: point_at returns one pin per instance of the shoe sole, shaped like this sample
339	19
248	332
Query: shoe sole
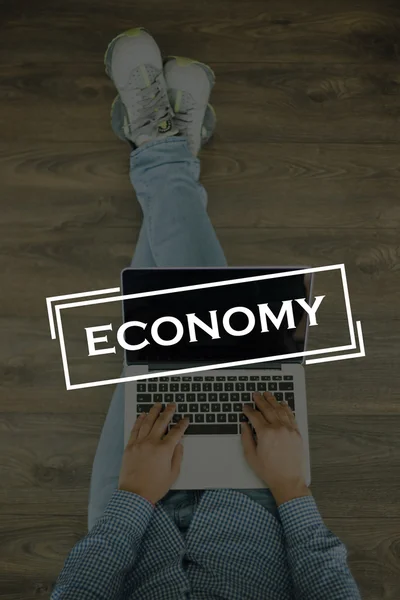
114	118
135	32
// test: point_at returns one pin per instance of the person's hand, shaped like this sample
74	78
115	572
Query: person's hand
152	460
277	455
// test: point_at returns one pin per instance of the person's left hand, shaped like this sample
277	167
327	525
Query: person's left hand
152	460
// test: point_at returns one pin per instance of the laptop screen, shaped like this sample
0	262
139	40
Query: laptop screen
229	348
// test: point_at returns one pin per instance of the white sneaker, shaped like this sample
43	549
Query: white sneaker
189	84
120	123
133	61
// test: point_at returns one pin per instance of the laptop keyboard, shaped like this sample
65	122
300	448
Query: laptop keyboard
212	403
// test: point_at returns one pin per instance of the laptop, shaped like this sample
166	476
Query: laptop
212	398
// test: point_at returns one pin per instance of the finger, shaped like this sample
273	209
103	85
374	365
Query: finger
176	460
161	424
248	443
255	417
285	406
284	417
267	407
136	428
176	433
149	420
281	415
271	400
289	414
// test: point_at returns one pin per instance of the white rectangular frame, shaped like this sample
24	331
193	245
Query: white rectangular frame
59	307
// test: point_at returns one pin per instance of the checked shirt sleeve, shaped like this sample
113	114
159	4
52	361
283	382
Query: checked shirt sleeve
317	559
96	567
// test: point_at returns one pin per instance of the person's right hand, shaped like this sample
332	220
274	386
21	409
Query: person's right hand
153	456
277	455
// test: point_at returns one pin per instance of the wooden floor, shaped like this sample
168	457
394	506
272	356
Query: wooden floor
304	169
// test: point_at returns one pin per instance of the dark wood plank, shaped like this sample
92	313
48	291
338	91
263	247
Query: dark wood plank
284	31
373	554
41	263
40	474
33	551
53	477
339	185
359	386
284	103
277	102
303	169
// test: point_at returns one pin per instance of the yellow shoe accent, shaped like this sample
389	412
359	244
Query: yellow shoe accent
133	32
113	104
145	76
164	126
178	101
212	109
183	62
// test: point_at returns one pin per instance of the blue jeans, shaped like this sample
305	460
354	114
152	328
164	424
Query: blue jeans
176	232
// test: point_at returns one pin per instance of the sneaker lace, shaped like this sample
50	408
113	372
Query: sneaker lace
153	100
183	119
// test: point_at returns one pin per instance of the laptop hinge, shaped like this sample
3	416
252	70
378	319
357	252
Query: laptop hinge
172	366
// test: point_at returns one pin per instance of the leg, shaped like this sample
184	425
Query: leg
165	176
176	232
174	236
143	256
107	461
263	497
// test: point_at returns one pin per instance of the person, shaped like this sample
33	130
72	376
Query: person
146	541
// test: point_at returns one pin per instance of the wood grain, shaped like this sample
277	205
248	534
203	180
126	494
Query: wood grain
303	169
33	553
78	258
374	554
54	477
88	184
275	102
284	31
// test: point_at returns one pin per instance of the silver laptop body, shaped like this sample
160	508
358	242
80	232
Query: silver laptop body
212	459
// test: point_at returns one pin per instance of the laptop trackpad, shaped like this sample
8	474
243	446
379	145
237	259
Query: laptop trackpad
215	461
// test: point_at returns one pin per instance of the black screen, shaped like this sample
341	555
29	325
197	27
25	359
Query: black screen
255	344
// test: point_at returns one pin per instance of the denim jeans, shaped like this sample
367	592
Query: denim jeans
176	232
